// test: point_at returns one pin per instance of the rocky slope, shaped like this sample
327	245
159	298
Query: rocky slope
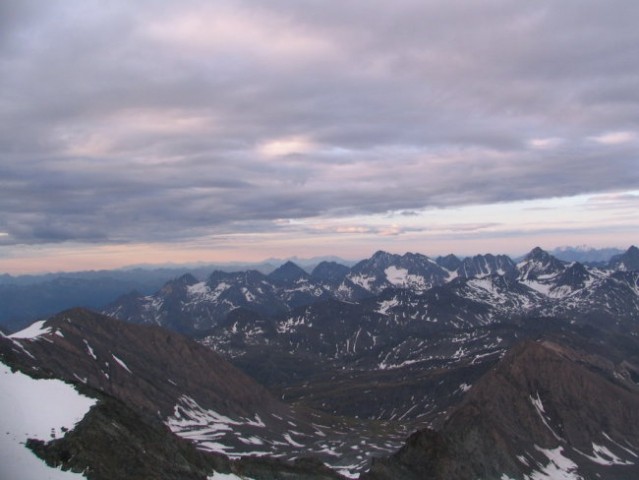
168	380
546	411
391	324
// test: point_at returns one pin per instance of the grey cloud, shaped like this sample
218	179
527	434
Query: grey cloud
408	105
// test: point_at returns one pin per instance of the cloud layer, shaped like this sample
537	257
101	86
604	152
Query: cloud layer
151	121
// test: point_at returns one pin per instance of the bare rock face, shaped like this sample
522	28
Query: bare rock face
148	368
156	389
627	261
544	408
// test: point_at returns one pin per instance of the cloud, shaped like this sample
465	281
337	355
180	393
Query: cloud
285	146
161	121
545	143
615	138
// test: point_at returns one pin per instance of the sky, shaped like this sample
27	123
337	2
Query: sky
156	131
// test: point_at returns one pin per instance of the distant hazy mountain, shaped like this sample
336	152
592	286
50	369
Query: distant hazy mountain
627	261
25	298
585	254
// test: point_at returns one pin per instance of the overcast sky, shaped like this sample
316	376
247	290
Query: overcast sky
153	131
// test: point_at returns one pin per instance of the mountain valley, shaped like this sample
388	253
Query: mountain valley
401	366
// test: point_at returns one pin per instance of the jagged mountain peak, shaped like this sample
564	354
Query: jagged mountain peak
411	257
384	270
187	279
575	275
449	262
381	254
539	263
379	259
288	272
178	286
627	261
329	271
486	265
538	253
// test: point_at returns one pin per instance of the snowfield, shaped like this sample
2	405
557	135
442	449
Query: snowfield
32	332
37	409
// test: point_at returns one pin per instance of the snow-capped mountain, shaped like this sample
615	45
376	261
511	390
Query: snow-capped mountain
539	265
481	266
341	364
384	270
473	291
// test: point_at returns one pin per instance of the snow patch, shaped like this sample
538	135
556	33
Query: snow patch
90	350
539	406
346	471
204	426
121	363
197	289
542	288
385	305
396	276
288	438
33	331
226	476
603	456
363	281
248	295
35	409
558	468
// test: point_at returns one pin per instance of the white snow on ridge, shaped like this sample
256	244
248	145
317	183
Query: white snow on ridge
385	305
542	288
558	468
205	427
248	295
90	350
197	289
121	363
226	476
35	409
288	438
32	331
603	456
401	277
484	284
539	406
396	276
363	281
203	292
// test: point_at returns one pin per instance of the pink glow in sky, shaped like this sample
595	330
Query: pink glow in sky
153	132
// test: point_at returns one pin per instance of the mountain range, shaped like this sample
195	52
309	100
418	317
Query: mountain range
478	290
399	367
